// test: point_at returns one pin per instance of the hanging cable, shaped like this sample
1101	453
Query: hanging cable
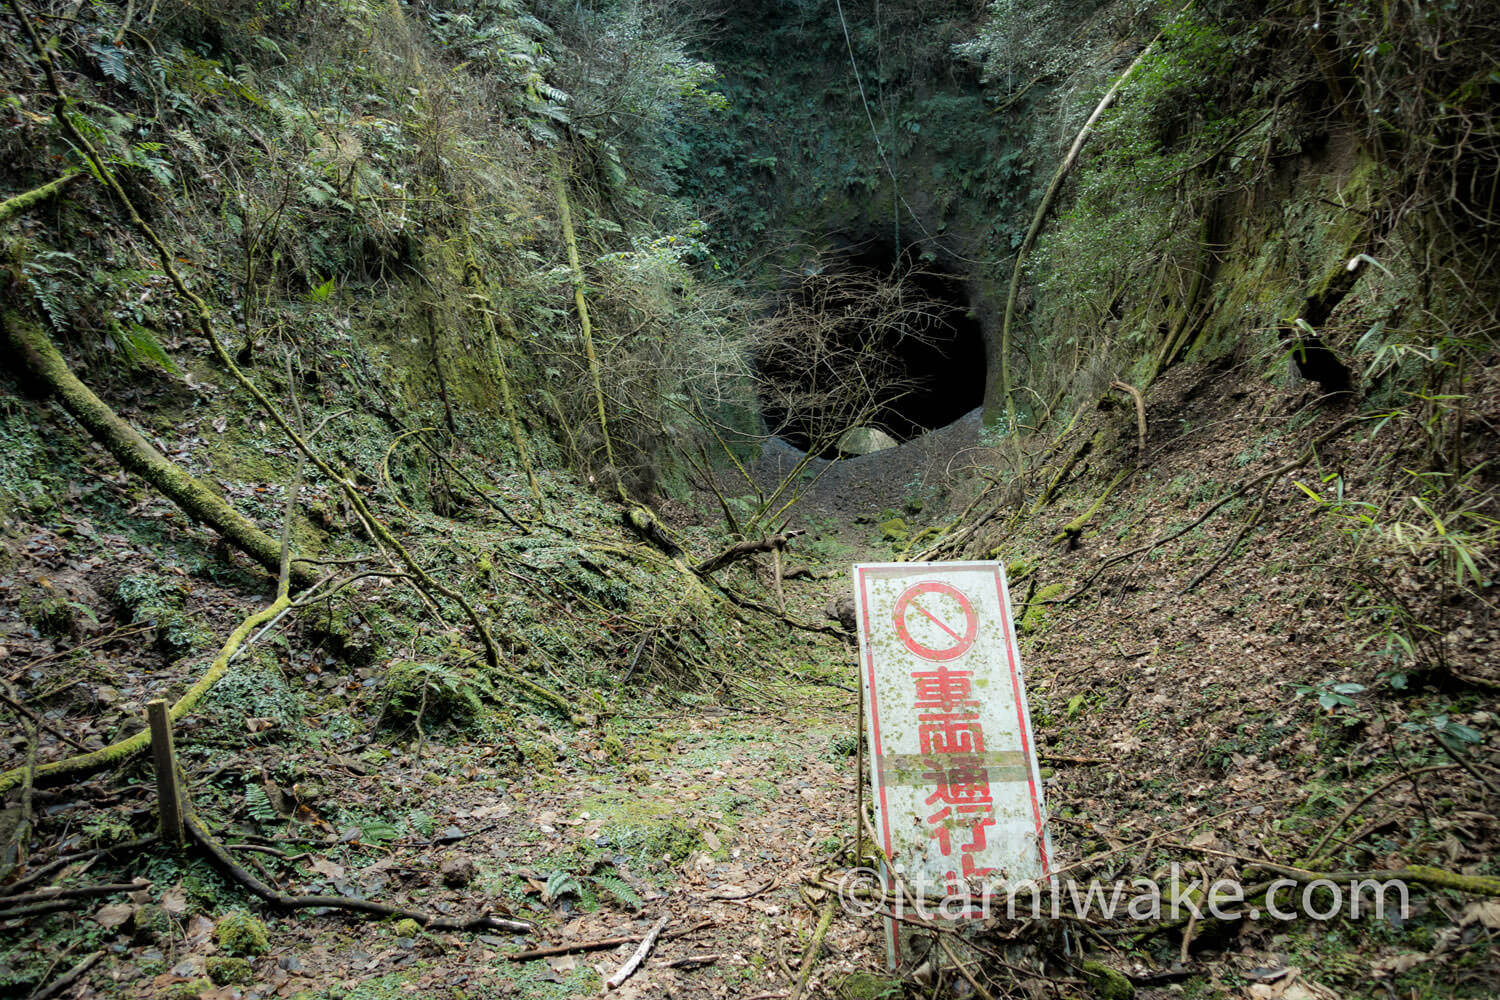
880	147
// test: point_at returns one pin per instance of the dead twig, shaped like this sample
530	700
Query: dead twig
632	963
599	944
963	970
62	982
693	961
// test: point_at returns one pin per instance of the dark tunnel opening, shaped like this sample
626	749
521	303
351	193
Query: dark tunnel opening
871	338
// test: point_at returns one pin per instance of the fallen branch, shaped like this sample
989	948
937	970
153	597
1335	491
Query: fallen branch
742	550
33	877
644	523
599	944
627	970
74	892
220	856
810	957
62	982
15	205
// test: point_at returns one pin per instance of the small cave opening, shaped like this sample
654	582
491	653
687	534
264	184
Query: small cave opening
869	336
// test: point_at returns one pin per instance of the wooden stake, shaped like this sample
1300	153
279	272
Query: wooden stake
164	756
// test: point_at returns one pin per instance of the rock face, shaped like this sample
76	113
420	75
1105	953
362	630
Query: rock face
864	441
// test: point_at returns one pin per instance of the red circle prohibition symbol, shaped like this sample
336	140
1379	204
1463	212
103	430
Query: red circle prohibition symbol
954	643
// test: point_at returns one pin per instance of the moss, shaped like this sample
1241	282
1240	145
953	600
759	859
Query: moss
869	986
437	691
893	530
189	990
646	829
1106	983
1035	615
48	610
241	934
407	927
225	971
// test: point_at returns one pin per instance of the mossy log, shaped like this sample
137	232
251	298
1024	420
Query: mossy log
34	350
14	206
117	753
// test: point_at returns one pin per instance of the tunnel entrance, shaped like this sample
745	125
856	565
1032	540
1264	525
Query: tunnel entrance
868	338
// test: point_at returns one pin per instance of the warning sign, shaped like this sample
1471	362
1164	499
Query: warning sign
958	801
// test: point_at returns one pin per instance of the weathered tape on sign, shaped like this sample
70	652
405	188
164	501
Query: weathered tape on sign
958	800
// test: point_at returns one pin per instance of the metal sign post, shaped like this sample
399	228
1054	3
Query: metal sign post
953	772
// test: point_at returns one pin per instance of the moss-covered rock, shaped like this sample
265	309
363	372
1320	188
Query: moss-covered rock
238	933
1106	983
227	971
1035	615
407	927
894	530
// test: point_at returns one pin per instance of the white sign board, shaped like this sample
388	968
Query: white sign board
953	772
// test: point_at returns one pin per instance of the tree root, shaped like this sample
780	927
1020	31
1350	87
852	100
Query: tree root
1073	529
281	901
1140	416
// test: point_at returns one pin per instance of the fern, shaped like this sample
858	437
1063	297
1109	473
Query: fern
142	350
620	890
258	804
560	883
